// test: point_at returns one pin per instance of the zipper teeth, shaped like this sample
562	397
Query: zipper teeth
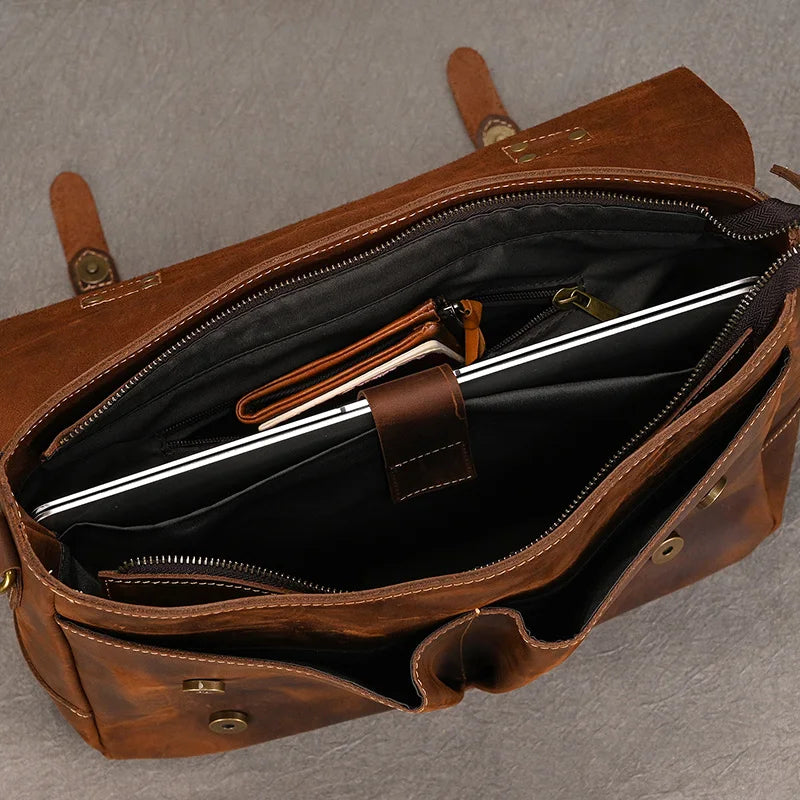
393	241
688	384
529	325
248	570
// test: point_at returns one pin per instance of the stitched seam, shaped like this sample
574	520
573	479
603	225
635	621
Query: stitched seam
90	300
516	157
435	486
782	428
778	336
188	583
240	663
429	453
546	136
370	232
118	287
423	646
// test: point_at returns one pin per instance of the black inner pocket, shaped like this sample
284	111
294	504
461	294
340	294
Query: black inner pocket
329	519
630	257
561	610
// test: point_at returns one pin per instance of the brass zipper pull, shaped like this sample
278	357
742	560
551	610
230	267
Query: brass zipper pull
575	296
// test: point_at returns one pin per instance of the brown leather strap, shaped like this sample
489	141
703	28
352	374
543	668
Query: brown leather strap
88	259
422	426
787	174
481	109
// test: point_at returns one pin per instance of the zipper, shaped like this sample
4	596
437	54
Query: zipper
576	297
566	298
716	351
222	568
437	220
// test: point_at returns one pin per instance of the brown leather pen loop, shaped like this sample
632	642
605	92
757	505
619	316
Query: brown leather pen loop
422	425
479	104
88	259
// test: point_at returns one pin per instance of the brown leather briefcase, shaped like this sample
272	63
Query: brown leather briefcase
456	536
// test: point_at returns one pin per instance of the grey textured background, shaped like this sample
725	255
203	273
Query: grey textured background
199	124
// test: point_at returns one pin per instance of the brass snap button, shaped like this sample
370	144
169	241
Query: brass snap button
204	686
92	268
227	722
519	147
497	132
714	493
668	549
578	134
526	158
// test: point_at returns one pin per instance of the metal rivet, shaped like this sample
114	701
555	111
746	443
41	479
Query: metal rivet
92	267
497	132
577	134
519	147
526	158
9	577
204	686
714	493
227	722
668	549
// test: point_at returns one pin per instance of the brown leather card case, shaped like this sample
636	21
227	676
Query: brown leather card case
361	362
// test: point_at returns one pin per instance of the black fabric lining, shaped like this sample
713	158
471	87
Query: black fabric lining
629	257
561	610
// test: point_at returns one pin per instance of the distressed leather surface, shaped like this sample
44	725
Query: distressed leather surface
644	694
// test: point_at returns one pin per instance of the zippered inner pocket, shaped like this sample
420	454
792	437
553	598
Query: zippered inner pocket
527	309
178	580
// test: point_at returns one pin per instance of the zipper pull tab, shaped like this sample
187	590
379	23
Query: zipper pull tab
465	315
474	343
575	296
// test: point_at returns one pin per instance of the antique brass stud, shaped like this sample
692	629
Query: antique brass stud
497	132
204	686
714	493
519	147
668	549
577	134
227	722
92	268
526	158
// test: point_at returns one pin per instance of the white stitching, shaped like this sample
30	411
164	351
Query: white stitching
429	453
242	662
772	437
427	642
539	138
435	486
515	157
188	583
146	282
370	232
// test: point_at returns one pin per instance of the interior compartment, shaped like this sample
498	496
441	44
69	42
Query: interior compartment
561	610
554	438
632	257
330	520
